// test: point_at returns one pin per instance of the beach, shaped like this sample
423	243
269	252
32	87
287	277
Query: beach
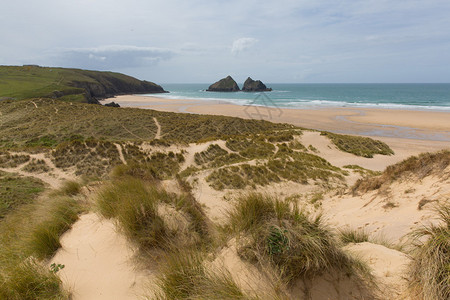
406	130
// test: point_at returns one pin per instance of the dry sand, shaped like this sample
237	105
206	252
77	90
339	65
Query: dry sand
98	262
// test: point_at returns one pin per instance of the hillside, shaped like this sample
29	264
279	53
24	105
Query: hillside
96	203
68	84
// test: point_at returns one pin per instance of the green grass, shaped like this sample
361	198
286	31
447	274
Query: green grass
157	166
419	166
357	145
213	152
137	207
353	236
185	276
294	243
430	266
71	188
65	84
16	190
286	164
29	280
28	236
44	236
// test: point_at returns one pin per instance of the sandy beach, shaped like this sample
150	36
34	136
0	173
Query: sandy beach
423	130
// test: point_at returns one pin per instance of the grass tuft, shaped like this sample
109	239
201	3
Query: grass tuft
44	236
29	280
419	166
71	188
294	243
430	266
184	276
134	206
348	236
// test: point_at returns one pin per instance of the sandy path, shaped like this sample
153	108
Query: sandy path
120	150
158	132
98	262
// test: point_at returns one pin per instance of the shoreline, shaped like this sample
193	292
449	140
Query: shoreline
407	132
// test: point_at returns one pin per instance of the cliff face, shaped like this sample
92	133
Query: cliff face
105	84
251	85
224	85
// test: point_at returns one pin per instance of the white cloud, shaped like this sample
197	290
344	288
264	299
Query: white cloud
112	57
242	44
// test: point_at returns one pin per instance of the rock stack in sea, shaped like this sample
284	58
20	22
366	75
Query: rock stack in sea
224	85
251	85
228	84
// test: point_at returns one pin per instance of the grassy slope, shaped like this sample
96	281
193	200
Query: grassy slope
16	190
55	121
29	82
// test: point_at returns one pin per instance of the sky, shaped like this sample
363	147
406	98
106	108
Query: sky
201	41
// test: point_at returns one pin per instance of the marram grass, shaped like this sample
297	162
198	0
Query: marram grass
430	266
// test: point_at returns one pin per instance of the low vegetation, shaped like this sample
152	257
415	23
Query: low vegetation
151	217
36	166
286	164
29	235
348	236
419	167
357	145
430	266
296	244
185	276
12	160
17	190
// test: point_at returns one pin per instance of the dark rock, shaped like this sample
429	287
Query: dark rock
112	104
104	85
224	85
251	85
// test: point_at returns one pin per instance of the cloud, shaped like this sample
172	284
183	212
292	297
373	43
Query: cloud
242	44
113	56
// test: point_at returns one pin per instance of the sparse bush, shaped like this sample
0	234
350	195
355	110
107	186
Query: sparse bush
13	160
36	166
71	188
353	236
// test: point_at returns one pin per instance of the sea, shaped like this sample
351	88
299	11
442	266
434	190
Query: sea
410	96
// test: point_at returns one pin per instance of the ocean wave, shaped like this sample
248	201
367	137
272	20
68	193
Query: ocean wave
298	103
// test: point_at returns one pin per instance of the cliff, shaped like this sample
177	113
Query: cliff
224	85
73	85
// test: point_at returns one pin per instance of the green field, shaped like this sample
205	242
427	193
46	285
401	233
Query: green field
66	84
